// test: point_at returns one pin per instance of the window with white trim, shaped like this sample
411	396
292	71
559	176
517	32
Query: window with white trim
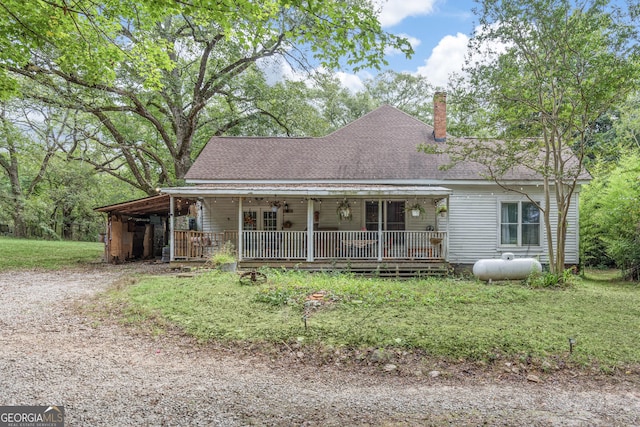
260	219
519	224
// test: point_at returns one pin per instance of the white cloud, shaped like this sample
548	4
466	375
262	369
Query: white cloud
394	11
277	70
450	54
353	82
446	58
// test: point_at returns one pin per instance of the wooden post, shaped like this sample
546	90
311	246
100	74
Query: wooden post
380	206
310	231
116	246
240	227
147	242
107	241
172	243
446	238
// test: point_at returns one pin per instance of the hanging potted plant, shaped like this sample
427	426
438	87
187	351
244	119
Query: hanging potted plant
416	209
275	206
442	210
344	211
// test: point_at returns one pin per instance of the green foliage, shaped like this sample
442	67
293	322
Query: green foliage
224	255
611	212
278	297
155	80
44	194
410	93
445	318
51	255
541	75
627	125
593	249
338	106
547	279
90	38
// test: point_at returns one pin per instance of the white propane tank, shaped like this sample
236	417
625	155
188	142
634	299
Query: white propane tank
506	268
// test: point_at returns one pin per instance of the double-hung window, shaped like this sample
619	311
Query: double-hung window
519	224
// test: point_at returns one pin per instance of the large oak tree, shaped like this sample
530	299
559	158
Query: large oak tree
157	78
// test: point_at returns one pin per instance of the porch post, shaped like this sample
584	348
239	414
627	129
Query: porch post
240	224
380	206
172	243
446	239
310	254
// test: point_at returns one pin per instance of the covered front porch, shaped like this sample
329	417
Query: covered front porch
285	225
317	245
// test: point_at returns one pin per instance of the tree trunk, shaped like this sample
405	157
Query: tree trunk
547	225
67	223
182	165
185	128
17	198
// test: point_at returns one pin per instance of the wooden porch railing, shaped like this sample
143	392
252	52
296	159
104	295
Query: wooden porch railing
392	245
292	245
196	244
274	244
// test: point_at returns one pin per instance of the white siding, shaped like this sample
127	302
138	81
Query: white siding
221	214
474	219
427	219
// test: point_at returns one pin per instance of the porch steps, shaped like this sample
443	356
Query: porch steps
395	269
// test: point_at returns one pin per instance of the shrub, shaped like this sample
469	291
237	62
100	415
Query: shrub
225	255
547	279
610	218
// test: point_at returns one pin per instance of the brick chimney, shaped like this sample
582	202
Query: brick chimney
440	116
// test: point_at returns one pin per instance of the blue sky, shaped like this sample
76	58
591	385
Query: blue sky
426	25
438	31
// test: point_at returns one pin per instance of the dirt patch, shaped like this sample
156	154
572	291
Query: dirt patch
105	374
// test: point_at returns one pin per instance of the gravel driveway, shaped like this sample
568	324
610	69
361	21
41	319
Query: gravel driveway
105	375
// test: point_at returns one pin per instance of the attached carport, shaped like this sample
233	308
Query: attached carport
139	229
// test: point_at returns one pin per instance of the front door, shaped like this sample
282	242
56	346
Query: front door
393	219
260	219
392	216
260	239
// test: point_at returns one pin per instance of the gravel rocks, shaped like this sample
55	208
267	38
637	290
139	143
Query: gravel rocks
106	375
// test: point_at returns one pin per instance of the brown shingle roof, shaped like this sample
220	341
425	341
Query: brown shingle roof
381	145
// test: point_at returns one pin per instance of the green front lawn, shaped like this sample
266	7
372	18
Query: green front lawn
50	255
445	318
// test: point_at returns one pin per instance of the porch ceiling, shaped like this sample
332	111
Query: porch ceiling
153	205
308	190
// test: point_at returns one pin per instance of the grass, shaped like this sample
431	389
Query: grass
444	318
18	254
